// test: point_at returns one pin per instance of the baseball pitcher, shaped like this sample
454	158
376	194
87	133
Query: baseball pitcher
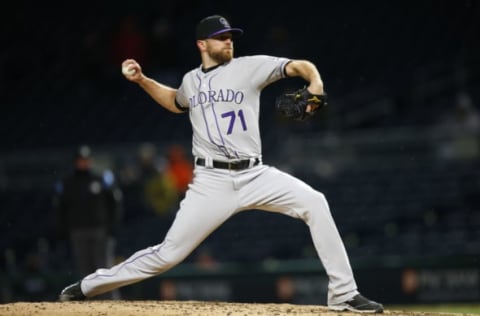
221	97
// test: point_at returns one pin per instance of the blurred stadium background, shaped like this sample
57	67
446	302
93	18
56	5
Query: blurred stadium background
396	153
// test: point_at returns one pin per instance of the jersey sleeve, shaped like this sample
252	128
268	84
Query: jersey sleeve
268	69
181	101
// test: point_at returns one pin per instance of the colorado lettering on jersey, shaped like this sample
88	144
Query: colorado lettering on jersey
213	96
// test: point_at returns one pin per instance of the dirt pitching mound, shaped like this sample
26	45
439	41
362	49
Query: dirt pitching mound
172	308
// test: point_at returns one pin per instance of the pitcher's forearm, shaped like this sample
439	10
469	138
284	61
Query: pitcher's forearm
162	94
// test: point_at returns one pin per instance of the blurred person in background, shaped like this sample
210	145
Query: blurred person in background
88	207
179	168
129	40
460	128
148	185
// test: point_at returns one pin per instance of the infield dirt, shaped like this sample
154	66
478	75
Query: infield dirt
175	308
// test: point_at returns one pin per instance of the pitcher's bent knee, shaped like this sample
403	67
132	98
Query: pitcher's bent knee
313	204
314	199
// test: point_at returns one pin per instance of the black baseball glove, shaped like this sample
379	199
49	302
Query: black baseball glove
294	105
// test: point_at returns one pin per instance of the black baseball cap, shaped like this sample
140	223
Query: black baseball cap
214	25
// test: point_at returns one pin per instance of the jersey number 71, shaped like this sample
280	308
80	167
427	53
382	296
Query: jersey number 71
232	116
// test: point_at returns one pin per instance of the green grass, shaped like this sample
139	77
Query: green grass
439	308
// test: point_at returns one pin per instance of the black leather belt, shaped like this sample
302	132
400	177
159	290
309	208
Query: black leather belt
236	165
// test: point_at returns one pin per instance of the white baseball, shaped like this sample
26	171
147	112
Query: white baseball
126	70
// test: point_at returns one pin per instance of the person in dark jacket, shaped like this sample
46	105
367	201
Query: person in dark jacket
89	212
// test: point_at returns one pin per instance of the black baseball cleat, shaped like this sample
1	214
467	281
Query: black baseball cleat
359	304
73	292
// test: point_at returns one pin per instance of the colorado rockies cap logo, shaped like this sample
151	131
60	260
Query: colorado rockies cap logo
224	22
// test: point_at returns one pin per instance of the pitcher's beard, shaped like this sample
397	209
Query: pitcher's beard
222	56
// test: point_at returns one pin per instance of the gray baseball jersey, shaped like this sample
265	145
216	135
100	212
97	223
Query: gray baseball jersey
223	104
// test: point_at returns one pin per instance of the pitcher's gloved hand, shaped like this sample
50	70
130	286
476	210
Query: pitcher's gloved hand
300	104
